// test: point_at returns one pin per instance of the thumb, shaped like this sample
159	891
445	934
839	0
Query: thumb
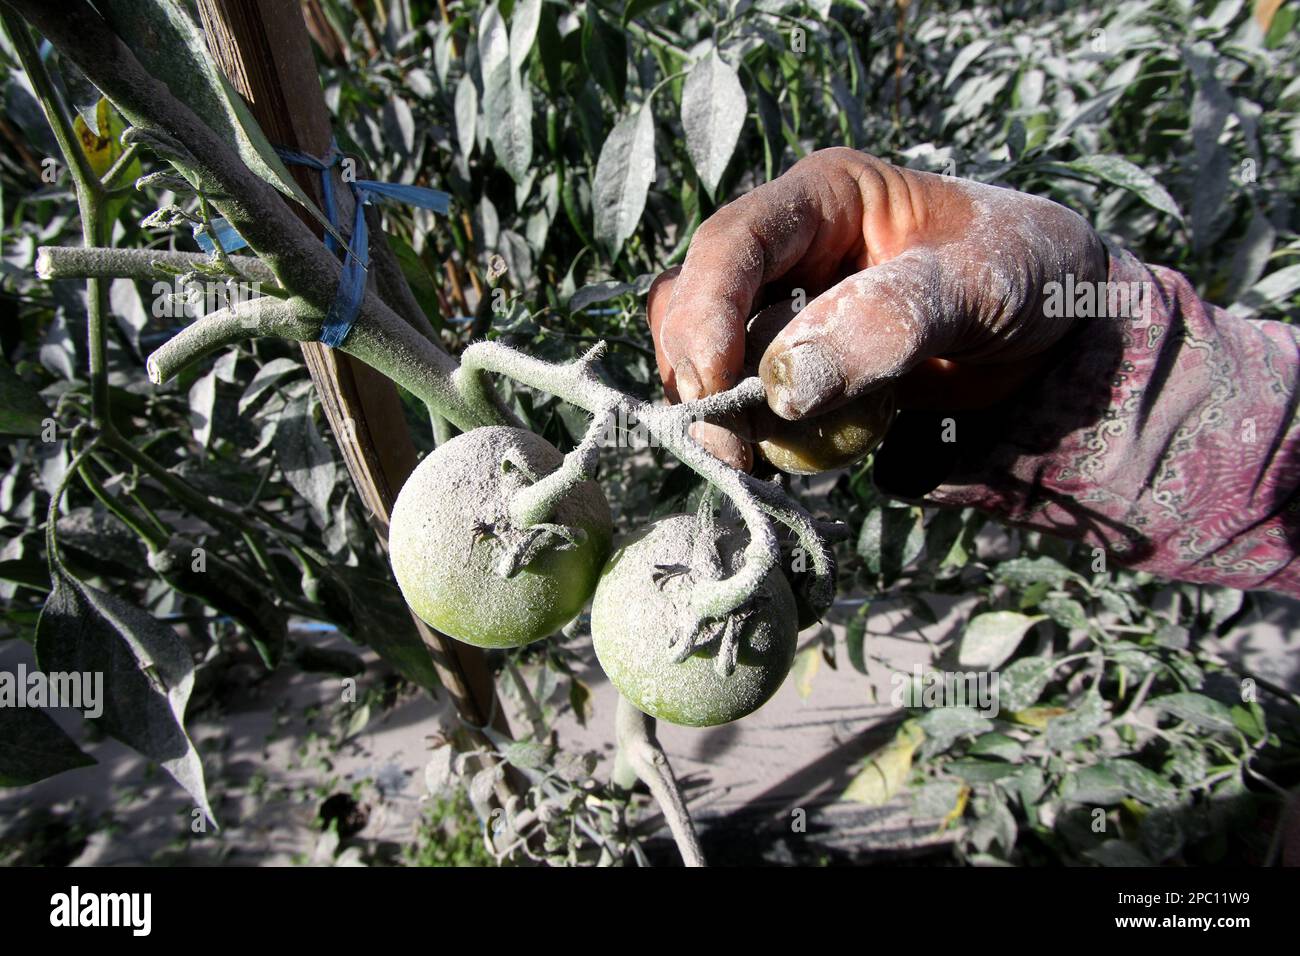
867	330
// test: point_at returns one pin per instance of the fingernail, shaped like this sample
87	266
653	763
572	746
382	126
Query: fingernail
689	387
802	380
723	445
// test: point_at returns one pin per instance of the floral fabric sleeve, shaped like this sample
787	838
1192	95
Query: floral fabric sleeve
1170	438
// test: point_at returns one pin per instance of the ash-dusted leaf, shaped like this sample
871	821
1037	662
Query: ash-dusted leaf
304	457
713	114
508	114
466	114
1022	572
992	637
1224	604
968	55
33	747
1022	683
1066	612
399	125
493	42
996	824
1205	712
886	771
267	376
598	292
1142	784
524	21
527	754
147	672
1251	256
203	402
942	727
869	536
1085	720
1120	172
937	799
624	172
1275	289
22	410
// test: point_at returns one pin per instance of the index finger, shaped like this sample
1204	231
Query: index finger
758	238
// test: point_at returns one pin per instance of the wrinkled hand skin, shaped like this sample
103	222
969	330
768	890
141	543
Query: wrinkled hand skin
930	282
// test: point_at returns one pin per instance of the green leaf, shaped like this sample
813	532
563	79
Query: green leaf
147	667
980	771
624	172
33	747
997	746
635	8
1205	712
604	50
713	114
1250	720
1098	784
855	638
22	410
992	637
1120	172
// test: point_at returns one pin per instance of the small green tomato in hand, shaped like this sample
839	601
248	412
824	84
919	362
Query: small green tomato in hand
467	568
643	596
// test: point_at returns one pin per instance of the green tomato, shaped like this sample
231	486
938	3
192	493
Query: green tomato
450	529
835	439
633	617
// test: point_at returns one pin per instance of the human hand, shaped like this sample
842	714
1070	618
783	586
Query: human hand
930	283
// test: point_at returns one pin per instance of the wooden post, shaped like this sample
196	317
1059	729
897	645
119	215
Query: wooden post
263	47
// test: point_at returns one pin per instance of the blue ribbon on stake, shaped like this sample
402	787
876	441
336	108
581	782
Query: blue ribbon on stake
343	310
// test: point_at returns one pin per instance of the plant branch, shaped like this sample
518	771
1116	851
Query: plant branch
639	750
577	384
75	262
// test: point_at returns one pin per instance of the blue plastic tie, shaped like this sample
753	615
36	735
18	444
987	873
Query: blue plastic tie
346	306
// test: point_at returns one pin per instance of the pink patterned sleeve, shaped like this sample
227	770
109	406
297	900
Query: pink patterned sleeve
1169	437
